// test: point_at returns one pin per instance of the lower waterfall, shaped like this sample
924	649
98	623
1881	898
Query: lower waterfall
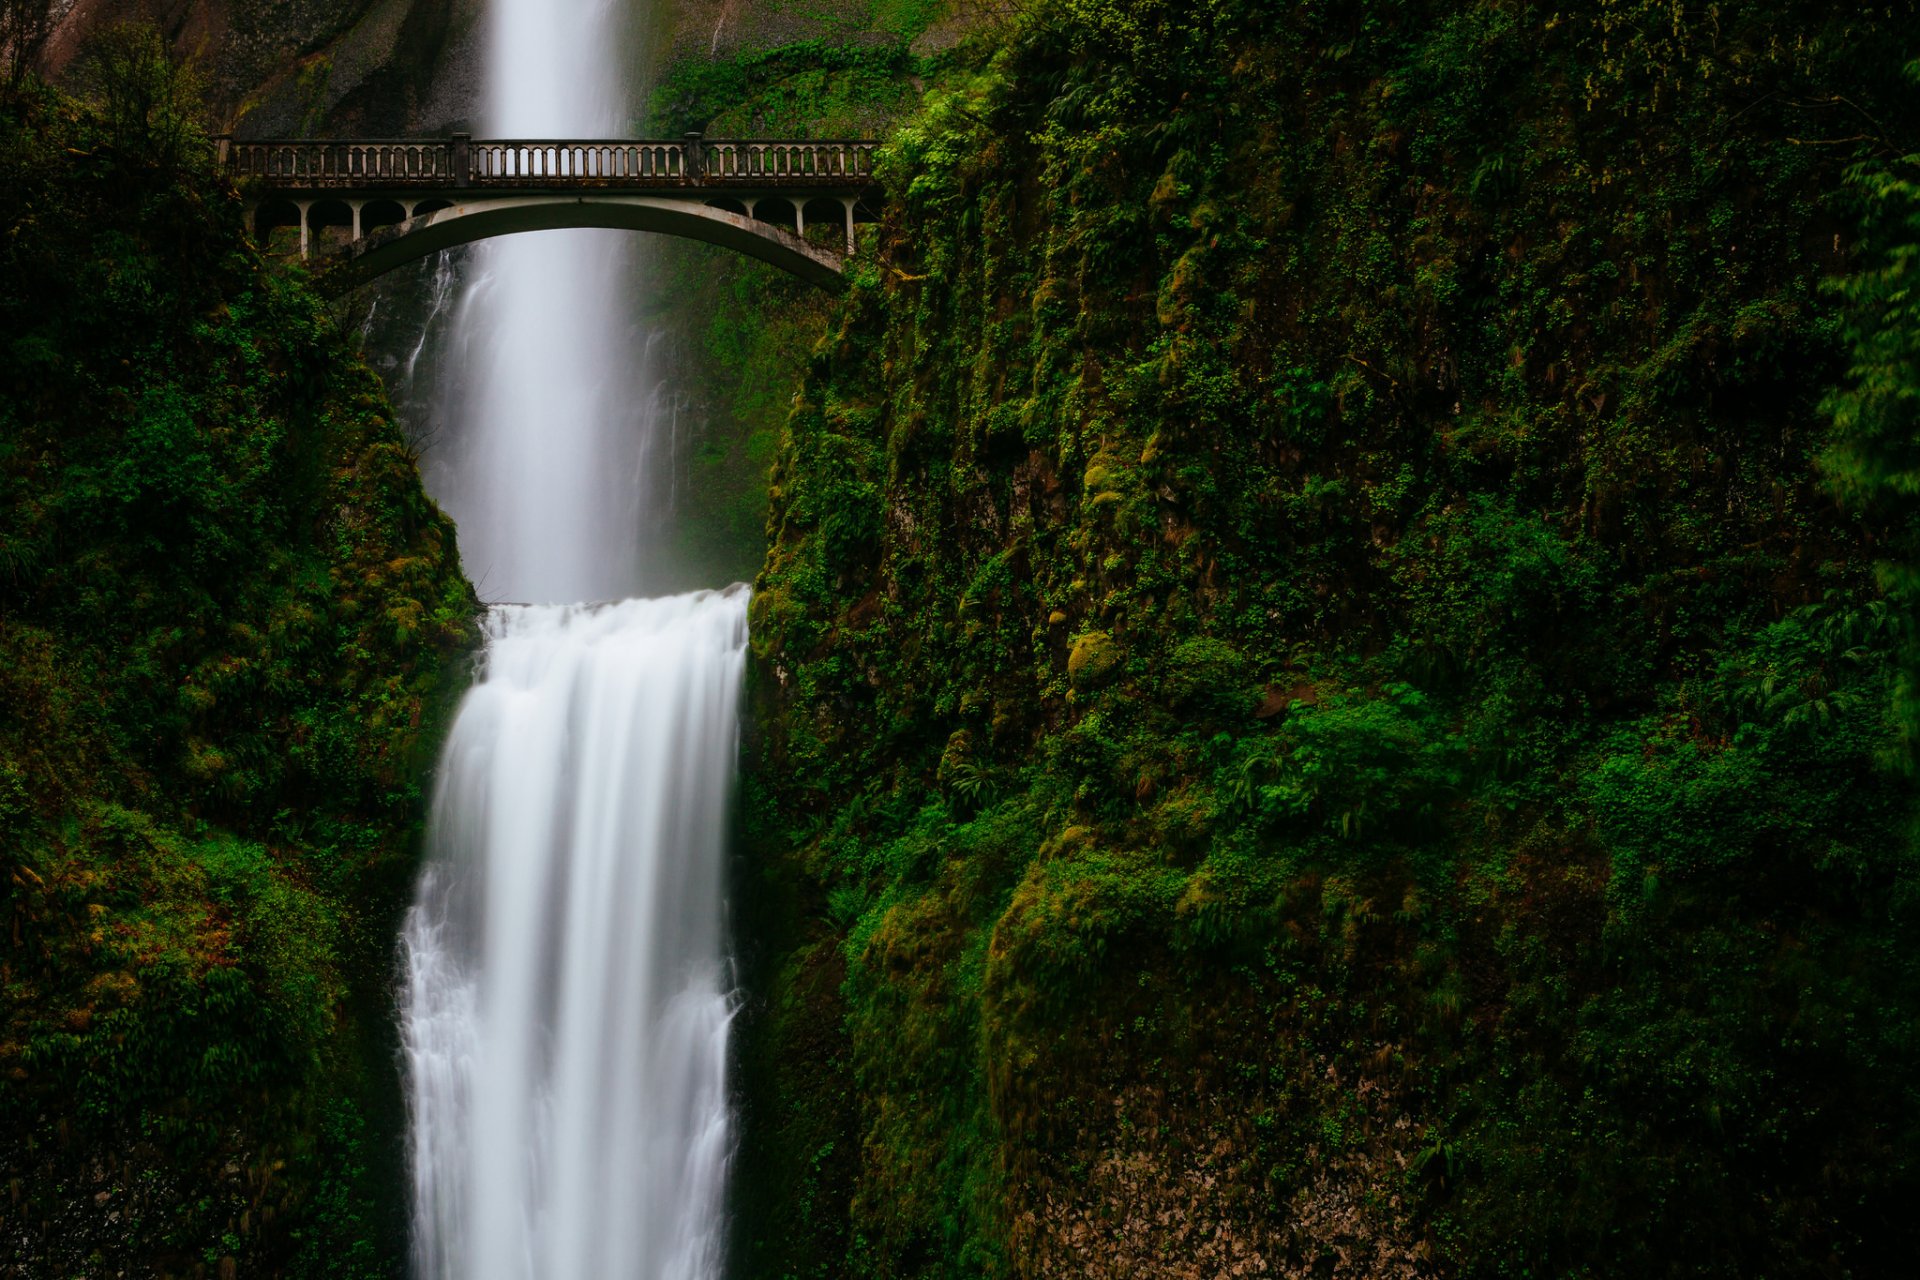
567	996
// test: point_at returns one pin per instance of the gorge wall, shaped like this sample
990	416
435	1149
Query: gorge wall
229	625
1333	647
368	68
1319	714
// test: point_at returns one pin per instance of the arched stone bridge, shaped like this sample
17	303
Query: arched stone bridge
369	206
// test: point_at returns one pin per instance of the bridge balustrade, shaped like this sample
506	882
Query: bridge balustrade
549	164
344	164
577	163
759	161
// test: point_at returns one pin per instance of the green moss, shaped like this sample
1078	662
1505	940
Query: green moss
1482	855
1093	659
228	621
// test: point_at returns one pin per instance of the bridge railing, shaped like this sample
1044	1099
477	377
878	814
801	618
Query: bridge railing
781	162
344	164
578	164
459	161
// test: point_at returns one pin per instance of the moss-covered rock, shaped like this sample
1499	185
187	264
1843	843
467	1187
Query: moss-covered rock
229	628
1093	660
1490	864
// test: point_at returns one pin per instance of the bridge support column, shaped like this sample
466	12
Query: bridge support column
356	206
849	202
306	232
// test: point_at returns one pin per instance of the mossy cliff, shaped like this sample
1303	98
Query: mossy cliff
229	619
1319	711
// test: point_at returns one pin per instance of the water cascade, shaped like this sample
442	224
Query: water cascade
548	389
566	1002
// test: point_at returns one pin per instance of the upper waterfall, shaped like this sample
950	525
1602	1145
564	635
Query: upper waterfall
549	382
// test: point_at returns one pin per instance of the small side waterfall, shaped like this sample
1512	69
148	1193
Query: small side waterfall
567	1000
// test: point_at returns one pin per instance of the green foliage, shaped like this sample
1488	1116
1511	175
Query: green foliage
149	104
811	88
1874	456
24	28
753	324
227	618
1310	673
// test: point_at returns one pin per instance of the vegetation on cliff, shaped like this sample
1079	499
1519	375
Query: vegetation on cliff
743	329
1331	673
227	618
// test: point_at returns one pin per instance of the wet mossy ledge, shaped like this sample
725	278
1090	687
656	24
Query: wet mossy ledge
231	626
1332	684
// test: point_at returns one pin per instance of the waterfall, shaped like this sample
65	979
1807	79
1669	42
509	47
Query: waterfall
567	998
550	381
566	995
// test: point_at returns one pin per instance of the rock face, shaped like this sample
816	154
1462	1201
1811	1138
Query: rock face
1267	757
374	67
367	67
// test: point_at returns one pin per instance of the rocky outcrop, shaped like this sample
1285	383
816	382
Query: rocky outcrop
367	67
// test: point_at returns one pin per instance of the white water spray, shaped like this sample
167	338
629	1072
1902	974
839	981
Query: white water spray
567	1000
550	379
567	1018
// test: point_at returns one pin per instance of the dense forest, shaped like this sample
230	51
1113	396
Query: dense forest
229	630
1334	685
1333	666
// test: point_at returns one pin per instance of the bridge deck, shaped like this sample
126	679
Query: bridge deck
463	163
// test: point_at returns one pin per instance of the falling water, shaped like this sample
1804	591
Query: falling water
568	1007
566	1004
549	379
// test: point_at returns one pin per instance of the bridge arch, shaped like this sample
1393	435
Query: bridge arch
380	250
375	214
370	205
271	216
